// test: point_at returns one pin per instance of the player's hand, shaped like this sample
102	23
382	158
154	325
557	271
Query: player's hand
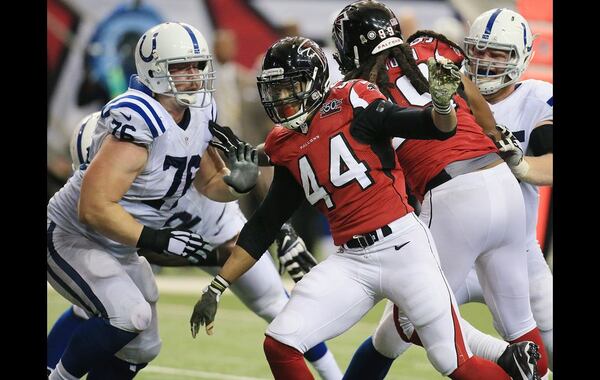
292	253
512	152
206	308
242	161
226	138
175	242
444	79
509	147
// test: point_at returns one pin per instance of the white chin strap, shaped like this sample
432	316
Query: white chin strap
296	123
186	100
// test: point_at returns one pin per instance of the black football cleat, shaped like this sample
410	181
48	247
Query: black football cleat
519	361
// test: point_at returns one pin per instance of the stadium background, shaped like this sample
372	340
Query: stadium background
89	60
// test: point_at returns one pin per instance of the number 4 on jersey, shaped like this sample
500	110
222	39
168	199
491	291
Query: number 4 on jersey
344	168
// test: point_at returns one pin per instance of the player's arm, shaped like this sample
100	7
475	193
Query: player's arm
216	257
384	119
480	108
540	163
107	179
283	198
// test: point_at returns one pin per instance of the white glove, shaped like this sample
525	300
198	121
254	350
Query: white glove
512	152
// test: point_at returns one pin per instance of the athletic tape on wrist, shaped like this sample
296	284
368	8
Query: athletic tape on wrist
218	285
520	170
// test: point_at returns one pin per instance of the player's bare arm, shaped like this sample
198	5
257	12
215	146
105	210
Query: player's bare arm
107	179
480	108
540	171
537	168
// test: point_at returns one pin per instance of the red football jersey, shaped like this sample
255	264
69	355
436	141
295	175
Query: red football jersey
424	159
345	179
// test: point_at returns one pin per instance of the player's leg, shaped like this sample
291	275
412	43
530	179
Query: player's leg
502	269
331	298
374	357
83	273
135	355
413	280
260	289
470	291
60	334
540	295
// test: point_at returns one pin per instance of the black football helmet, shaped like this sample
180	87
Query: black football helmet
293	81
362	29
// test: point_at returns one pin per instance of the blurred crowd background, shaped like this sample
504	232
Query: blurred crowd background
90	58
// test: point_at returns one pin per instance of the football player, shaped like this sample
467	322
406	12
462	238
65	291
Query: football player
470	198
498	56
219	224
147	146
333	147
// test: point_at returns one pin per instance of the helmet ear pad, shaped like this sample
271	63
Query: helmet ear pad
363	29
294	74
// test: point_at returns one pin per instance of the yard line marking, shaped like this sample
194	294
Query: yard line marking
197	374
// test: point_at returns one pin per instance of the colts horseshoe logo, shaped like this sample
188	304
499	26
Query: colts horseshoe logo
149	57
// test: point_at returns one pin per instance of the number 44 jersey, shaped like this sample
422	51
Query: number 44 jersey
358	186
174	153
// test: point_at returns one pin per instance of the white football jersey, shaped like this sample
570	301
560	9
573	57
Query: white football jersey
530	104
216	222
173	159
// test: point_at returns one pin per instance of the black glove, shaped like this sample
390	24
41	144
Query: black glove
227	139
206	308
175	242
292	253
243	163
241	158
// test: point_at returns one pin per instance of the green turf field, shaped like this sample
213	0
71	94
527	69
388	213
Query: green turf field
235	351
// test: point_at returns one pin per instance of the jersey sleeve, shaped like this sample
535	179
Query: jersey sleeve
213	110
426	47
544	93
363	93
132	118
271	144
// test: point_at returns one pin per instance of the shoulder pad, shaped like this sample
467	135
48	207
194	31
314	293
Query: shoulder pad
543	91
133	117
273	142
429	47
363	93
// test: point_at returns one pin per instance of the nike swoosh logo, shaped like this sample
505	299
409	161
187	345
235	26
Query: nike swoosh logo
519	367
125	116
398	247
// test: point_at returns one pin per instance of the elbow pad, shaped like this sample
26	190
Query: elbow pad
541	140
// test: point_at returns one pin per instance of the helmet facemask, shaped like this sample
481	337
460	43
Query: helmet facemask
494	71
203	75
288	99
